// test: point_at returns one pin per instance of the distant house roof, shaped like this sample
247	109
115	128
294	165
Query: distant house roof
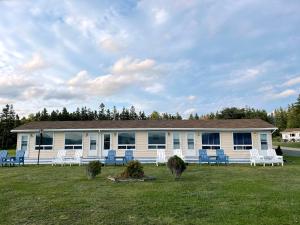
146	124
291	130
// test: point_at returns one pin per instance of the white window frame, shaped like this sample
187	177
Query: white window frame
267	139
212	147
179	135
187	140
76	145
156	145
243	146
43	146
127	146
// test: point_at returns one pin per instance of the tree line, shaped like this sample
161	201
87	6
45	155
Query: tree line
281	118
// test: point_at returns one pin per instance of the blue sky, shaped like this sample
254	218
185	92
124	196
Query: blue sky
172	56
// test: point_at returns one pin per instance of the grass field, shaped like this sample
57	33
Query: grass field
234	194
287	144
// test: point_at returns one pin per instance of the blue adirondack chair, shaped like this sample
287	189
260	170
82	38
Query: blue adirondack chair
3	157
110	158
221	157
203	157
128	156
18	159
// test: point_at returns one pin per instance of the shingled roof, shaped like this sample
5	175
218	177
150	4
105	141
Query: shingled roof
291	129
148	124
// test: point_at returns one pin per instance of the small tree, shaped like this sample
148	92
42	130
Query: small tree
278	150
176	166
134	169
93	169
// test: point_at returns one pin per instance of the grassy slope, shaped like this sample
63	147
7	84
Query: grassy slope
235	194
288	144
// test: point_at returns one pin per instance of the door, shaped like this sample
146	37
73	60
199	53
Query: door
93	144
25	144
264	145
106	143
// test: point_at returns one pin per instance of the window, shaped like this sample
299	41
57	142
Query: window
93	142
24	142
106	141
126	140
73	140
242	141
46	142
210	140
156	140
176	140
190	140
292	135
264	141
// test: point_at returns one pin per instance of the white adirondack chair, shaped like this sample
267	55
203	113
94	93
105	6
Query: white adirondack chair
274	157
60	158
179	153
77	159
256	158
161	156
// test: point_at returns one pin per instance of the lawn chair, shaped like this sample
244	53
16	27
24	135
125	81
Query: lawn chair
179	153
77	159
256	158
203	157
221	157
160	156
128	156
274	157
60	158
18	159
110	158
3	157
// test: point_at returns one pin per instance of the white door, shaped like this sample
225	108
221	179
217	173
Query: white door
93	144
106	143
264	144
25	144
190	144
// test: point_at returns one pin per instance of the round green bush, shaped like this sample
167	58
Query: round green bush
93	169
176	166
134	169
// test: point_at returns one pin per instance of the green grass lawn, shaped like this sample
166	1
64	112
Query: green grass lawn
287	144
234	194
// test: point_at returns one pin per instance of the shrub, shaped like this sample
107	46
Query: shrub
278	150
93	169
134	169
176	166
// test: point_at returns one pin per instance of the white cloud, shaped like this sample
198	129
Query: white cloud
191	97
189	111
284	94
160	16
35	63
293	81
109	44
125	73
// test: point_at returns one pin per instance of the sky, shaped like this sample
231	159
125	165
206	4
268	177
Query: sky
172	56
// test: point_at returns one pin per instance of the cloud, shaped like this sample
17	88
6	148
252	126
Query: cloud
191	97
35	63
284	94
125	73
291	82
111	45
160	16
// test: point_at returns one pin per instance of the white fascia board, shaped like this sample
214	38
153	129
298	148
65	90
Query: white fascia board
145	129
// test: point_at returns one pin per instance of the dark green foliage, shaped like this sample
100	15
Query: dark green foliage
176	166
278	150
93	169
134	169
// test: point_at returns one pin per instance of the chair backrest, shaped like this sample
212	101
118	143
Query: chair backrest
129	154
111	154
254	153
20	153
61	154
178	152
78	154
202	152
3	153
220	152
161	155
271	152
